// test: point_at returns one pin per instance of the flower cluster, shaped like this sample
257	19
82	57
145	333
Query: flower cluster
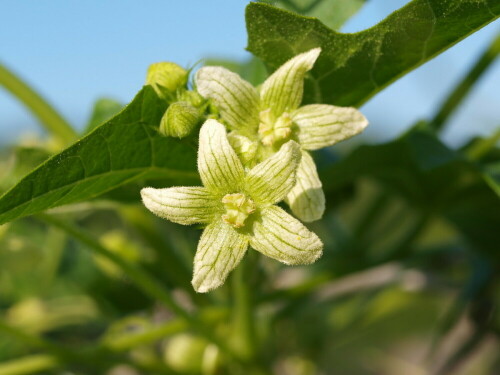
261	162
262	120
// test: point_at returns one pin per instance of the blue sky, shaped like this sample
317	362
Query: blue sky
74	52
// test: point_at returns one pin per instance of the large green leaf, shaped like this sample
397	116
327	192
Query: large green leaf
432	177
354	67
333	13
104	109
124	149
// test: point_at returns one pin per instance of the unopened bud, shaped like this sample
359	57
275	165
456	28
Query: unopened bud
166	78
244	148
179	120
184	353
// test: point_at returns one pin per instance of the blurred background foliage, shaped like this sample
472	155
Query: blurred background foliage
408	284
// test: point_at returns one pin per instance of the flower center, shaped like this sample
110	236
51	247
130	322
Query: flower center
273	130
238	207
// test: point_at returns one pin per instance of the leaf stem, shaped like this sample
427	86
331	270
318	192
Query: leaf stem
52	121
462	89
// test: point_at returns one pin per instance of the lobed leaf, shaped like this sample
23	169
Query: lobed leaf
123	149
354	67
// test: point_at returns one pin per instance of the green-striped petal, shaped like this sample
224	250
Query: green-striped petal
282	237
220	169
219	251
306	199
283	90
270	181
182	205
322	125
236	99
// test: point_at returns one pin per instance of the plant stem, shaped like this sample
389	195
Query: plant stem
33	341
137	274
243	323
483	146
33	364
52	121
130	341
143	280
463	88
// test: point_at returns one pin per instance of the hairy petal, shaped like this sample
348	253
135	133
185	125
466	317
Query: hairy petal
306	199
220	169
282	237
219	251
182	205
322	125
283	90
236	99
271	180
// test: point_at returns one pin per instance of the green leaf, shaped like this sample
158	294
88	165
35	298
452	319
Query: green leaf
332	13
354	67
252	70
432	177
126	148
104	109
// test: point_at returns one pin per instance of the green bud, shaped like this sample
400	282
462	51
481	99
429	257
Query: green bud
179	120
166	78
184	353
192	97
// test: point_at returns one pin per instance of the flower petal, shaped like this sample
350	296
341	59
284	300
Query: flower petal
236	99
282	237
220	169
182	205
219	251
306	199
322	125
283	90
270	181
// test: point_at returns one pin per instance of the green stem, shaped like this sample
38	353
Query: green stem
33	364
53	122
243	323
142	279
134	340
483	146
174	268
32	341
54	249
463	88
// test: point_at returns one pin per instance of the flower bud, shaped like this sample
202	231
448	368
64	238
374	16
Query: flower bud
193	98
166	78
244	148
184	353
179	120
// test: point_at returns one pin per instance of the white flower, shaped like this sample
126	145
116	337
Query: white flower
238	209
261	121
